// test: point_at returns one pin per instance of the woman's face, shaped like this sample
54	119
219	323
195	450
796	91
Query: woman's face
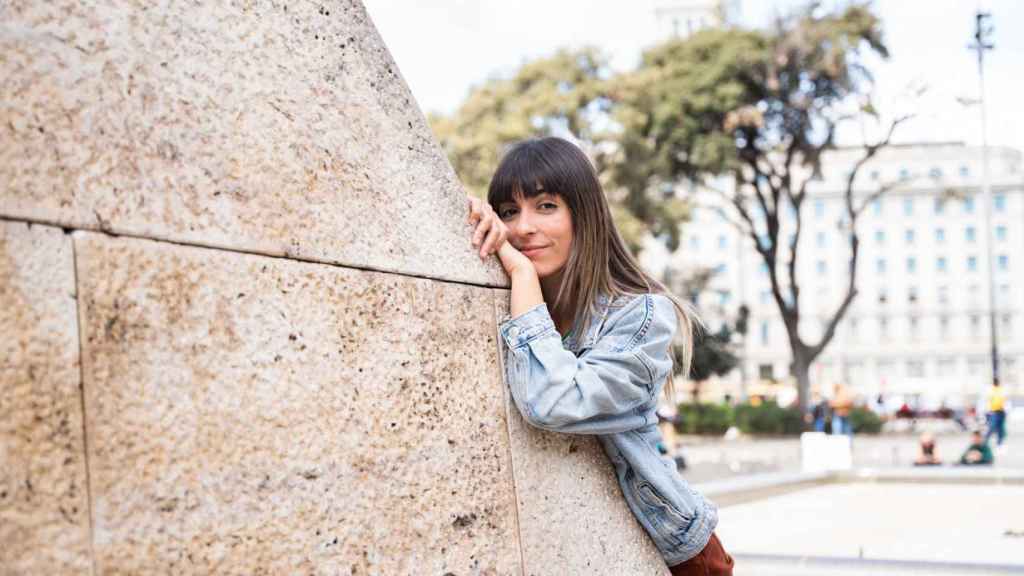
540	228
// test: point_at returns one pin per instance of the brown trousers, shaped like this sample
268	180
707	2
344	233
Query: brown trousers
713	560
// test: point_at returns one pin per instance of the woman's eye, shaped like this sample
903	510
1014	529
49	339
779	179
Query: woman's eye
548	206
506	213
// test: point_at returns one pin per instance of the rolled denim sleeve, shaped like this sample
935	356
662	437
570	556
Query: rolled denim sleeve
600	391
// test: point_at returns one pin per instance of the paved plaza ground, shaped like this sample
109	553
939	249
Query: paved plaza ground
889	528
861	528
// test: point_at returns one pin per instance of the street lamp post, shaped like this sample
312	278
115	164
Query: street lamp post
982	32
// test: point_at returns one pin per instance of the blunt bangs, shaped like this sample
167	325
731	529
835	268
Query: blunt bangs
534	167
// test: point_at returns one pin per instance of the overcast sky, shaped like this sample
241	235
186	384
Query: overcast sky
444	47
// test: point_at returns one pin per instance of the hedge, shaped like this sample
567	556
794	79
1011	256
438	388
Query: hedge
764	418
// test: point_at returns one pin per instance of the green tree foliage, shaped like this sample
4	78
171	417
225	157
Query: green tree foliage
712	355
566	95
759	108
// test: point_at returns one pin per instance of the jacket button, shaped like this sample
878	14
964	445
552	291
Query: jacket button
513	332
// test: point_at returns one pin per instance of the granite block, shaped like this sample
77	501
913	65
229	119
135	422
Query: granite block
257	415
44	506
274	127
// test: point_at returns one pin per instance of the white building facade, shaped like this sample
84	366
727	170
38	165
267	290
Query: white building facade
920	321
681	18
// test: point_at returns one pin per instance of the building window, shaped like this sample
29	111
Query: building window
819	208
880	266
946	366
883	328
851	328
879	236
940	264
915	369
969	234
766	296
978	367
940	205
975	324
969	205
822	267
972	263
911	265
944	326
904	174
882	297
694	243
762	269
943	294
876	207
875	175
935	173
908	206
765	328
972	295
965	171
999	202
912	294
1001	233
765	371
722	241
908	236
1003	262
940	235
1006	325
820	239
1004	294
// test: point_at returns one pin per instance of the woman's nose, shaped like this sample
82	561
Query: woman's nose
524	224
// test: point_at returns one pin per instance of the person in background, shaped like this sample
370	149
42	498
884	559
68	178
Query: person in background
928	456
978	453
842	404
996	413
819	413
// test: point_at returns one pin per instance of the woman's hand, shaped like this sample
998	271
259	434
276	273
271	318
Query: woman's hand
514	262
490	232
490	236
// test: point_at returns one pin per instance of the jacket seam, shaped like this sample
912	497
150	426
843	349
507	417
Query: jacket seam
641	332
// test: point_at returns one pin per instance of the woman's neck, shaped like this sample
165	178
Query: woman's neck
561	315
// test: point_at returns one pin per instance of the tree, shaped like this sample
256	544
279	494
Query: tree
565	95
762	108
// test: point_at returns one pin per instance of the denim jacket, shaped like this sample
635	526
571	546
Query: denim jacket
606	383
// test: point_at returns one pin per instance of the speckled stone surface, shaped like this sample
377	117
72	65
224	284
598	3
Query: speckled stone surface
255	415
572	516
273	127
44	509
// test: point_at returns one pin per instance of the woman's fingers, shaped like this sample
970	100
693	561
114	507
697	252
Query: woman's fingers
487	221
474	210
495	236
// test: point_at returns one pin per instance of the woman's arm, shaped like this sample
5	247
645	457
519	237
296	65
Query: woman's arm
605	390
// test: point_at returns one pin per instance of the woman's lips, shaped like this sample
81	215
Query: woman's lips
532	252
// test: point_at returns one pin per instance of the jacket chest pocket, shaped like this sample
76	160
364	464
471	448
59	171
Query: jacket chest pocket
665	519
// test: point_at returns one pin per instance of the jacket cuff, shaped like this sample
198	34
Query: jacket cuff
528	326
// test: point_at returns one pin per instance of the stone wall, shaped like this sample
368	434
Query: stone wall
244	330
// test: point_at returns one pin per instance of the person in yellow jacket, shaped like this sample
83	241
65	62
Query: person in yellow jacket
996	413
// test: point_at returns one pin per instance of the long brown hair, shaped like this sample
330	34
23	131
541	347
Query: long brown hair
599	262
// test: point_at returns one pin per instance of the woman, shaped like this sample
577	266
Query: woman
590	335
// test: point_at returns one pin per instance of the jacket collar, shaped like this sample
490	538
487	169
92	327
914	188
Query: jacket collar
578	342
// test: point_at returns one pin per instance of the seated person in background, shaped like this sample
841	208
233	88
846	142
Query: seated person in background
928	456
977	453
